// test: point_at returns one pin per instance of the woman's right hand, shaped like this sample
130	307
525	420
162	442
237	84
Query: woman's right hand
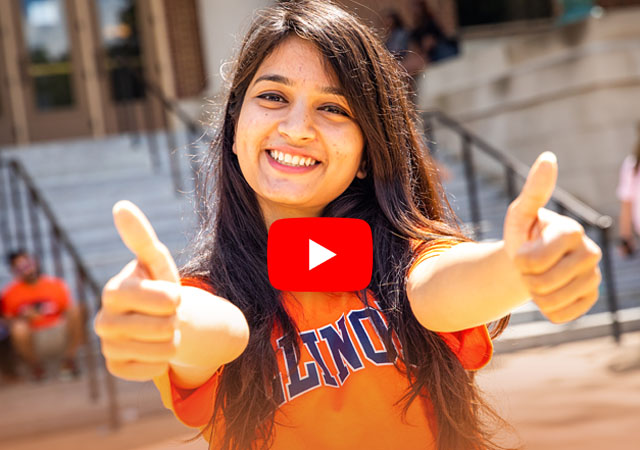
148	322
137	321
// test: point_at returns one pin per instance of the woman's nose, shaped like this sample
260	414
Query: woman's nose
297	126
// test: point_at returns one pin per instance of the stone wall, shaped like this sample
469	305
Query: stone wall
573	90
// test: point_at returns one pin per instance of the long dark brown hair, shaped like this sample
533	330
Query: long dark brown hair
401	199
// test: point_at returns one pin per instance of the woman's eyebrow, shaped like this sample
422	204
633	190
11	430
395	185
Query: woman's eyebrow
275	78
334	90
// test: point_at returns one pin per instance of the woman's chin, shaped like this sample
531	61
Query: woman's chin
290	201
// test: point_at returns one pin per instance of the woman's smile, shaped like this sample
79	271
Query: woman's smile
286	159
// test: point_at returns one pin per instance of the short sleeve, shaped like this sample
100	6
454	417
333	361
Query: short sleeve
193	407
625	183
473	347
430	249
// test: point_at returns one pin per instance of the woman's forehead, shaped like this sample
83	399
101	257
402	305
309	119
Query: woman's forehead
298	60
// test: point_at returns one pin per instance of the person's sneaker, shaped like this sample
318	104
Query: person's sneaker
69	369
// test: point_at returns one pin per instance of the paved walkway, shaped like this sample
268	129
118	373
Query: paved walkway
577	396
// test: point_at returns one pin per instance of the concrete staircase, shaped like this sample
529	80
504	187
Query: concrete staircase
528	328
82	179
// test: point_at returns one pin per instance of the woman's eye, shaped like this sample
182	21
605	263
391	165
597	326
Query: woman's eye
335	110
271	97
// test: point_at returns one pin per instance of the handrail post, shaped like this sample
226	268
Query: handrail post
58	268
612	295
35	224
94	393
149	129
16	204
5	233
472	185
174	164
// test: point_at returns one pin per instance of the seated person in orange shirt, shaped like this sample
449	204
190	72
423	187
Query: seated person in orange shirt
44	322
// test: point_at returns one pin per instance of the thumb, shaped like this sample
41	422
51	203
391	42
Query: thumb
138	235
537	189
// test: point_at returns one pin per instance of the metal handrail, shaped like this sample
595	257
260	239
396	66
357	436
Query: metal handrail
564	201
169	106
561	197
59	239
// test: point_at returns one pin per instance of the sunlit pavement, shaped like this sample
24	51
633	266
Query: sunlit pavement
583	395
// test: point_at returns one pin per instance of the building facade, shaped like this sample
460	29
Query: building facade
75	68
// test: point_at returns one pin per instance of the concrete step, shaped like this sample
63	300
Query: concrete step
542	333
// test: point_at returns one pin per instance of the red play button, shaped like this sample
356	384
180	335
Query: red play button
320	254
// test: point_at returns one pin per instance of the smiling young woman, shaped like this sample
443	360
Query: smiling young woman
317	122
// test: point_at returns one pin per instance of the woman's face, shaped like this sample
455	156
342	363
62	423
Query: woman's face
296	140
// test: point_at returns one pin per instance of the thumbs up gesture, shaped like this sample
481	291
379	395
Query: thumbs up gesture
148	321
137	322
557	261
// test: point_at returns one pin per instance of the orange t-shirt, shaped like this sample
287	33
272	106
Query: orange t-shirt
49	296
343	392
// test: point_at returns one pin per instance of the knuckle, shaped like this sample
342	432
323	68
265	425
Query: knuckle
108	349
591	299
109	297
598	253
543	301
109	289
552	316
162	350
162	326
96	321
536	284
598	276
593	249
115	367
101	323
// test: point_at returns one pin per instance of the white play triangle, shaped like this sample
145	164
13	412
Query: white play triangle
318	254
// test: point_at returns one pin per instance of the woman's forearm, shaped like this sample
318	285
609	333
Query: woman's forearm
211	332
467	285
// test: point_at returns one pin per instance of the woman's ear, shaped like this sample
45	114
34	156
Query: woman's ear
235	150
362	171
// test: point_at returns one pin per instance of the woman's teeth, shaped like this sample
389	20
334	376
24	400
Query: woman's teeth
291	160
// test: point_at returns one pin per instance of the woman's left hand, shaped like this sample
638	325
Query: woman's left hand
557	261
